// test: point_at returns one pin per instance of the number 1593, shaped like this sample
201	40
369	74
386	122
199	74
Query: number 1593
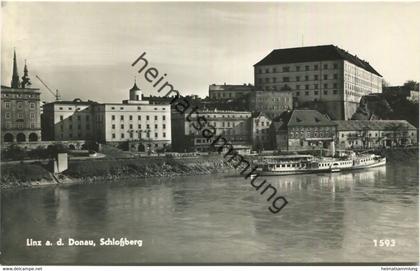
384	242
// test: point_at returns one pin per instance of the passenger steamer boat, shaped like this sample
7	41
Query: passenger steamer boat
300	164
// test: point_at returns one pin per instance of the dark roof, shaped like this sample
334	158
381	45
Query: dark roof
380	125
311	54
76	101
135	87
233	87
303	118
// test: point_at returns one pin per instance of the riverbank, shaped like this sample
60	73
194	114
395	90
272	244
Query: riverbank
113	170
107	170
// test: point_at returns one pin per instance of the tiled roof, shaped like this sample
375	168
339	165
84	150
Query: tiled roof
380	125
311	54
303	118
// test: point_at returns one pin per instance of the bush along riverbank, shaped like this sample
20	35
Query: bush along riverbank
88	171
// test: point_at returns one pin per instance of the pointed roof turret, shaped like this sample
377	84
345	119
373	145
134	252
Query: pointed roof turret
135	87
25	78
15	76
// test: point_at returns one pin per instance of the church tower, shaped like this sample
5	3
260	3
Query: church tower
15	77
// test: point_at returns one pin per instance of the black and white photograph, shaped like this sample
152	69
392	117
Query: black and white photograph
209	133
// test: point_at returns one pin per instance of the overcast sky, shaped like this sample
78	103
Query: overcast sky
86	49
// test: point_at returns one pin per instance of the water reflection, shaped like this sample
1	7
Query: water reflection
205	219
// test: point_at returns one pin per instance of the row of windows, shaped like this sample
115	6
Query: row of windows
316	92
310	134
282	99
198	140
19	95
19	115
18	125
257	122
222	124
19	105
335	85
264	131
138	108
112	108
132	135
138	126
87	117
226	95
210	117
271	107
287	78
79	127
298	68
373	135
295	129
138	117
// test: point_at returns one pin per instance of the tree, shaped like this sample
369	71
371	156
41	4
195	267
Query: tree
14	152
385	83
411	85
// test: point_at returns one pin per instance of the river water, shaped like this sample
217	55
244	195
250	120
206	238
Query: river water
220	219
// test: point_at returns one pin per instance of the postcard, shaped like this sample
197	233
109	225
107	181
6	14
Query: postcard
209	133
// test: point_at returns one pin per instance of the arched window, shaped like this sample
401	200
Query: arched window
33	137
8	137
20	137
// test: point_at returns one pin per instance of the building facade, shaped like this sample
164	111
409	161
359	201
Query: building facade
364	134
261	132
69	120
271	102
303	130
134	122
233	125
322	74
20	110
226	92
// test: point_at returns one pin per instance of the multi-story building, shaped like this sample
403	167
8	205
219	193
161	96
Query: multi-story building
20	109
261	132
226	92
271	102
355	134
69	120
134	121
323	74
303	130
233	125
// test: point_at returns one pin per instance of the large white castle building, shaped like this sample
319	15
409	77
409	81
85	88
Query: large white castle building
325	74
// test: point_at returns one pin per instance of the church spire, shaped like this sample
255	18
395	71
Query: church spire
25	78
15	77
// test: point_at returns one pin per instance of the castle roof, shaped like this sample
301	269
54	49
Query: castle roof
312	54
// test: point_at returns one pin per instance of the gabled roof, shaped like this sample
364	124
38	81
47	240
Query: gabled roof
303	118
311	54
379	125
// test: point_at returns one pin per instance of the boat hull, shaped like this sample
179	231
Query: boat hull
381	162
